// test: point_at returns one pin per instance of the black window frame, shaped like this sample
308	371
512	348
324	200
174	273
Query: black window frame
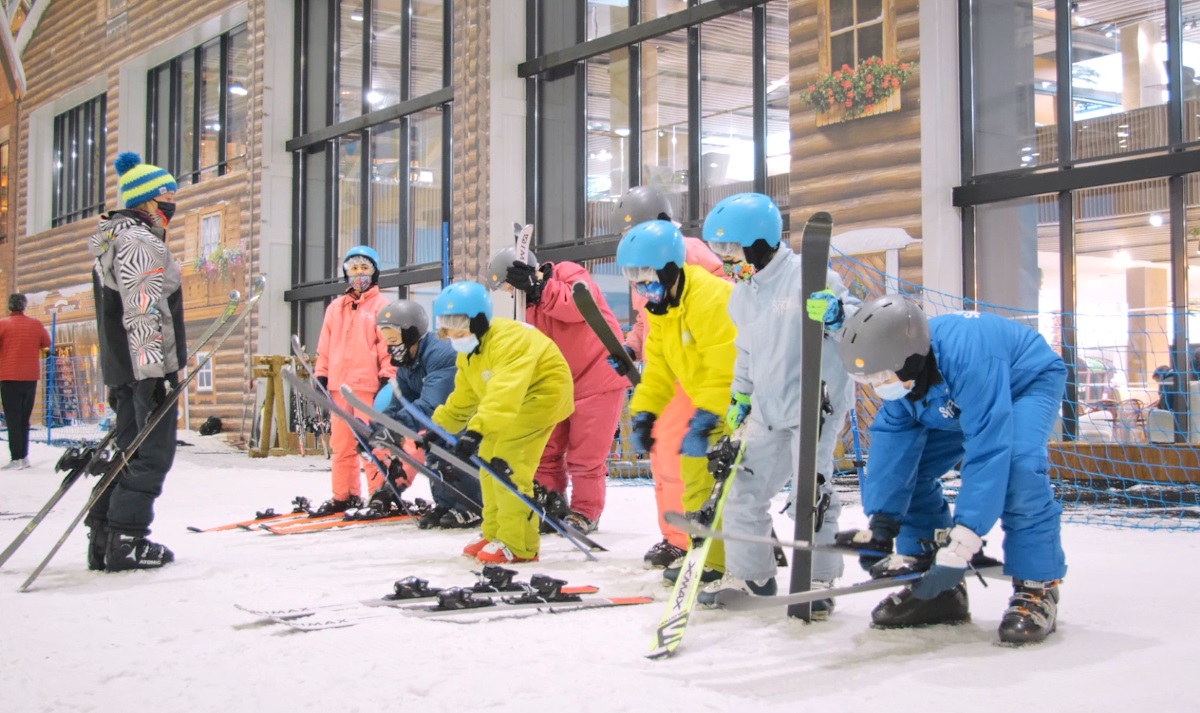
170	156
77	190
5	187
312	137
542	66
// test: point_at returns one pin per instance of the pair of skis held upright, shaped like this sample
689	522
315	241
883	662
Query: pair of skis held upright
113	469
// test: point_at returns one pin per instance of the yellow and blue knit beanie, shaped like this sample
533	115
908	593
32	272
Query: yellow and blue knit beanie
141	182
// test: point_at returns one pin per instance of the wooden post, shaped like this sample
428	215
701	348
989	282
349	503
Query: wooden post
273	411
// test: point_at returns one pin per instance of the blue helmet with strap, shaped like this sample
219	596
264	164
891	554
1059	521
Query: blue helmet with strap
364	251
654	244
465	298
744	219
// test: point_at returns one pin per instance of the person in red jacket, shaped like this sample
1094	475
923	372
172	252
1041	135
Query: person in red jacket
351	351
579	446
21	341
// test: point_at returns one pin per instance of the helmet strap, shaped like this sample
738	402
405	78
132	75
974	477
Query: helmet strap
670	276
480	325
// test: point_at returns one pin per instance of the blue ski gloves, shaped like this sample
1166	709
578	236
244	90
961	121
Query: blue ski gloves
639	437
949	565
695	441
468	445
873	543
826	308
739	409
619	366
383	398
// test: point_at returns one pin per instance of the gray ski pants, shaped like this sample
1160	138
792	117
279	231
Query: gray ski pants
770	462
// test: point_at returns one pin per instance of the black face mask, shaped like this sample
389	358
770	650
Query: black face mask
167	209
399	354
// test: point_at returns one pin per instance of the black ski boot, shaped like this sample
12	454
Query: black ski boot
332	507
129	552
904	609
1032	613
97	544
459	519
580	522
432	518
662	555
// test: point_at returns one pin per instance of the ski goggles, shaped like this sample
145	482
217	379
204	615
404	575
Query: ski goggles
651	291
728	251
453	323
640	274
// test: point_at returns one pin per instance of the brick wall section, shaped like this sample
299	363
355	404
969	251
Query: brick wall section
56	259
469	227
865	172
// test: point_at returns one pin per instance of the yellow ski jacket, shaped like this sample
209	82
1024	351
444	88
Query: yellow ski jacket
519	381
692	344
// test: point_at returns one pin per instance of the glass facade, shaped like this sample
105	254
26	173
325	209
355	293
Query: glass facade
695	104
78	187
1068	102
198	118
371	145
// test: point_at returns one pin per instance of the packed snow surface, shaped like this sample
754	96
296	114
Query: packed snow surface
172	640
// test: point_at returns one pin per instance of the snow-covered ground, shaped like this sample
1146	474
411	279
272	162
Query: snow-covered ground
171	640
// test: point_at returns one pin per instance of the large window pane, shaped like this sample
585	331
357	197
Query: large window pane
727	109
1119	77
78	183
560	124
237	131
779	134
187	118
387	53
387	182
664	118
606	16
349	194
608	138
349	60
314	249
1191	68
1014	85
427	46
659	8
210	106
426	187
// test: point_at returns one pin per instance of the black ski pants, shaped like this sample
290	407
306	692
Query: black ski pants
17	398
128	506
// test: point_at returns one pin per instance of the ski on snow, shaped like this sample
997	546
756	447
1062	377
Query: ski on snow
300	509
724	458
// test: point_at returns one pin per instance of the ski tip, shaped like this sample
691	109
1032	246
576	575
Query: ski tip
193	528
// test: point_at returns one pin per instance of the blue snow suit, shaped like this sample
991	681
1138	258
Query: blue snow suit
426	382
994	411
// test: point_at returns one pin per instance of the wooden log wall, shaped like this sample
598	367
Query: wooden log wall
55	260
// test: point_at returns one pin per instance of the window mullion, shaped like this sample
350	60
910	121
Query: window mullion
223	106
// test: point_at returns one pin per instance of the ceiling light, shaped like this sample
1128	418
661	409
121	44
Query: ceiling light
237	89
356	16
1156	220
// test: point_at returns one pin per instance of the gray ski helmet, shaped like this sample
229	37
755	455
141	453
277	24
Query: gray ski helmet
402	315
499	264
639	205
883	335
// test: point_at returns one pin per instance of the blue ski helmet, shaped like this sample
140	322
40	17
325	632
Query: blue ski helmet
466	298
654	244
743	219
362	251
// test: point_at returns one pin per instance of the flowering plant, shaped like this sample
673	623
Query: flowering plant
220	260
857	89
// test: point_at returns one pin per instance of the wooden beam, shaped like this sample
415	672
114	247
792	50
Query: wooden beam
30	25
15	71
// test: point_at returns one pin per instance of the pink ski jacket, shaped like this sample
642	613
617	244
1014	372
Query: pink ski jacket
556	316
351	350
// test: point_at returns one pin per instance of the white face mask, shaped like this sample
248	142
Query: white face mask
465	345
893	390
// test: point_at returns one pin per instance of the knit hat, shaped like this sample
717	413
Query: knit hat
141	182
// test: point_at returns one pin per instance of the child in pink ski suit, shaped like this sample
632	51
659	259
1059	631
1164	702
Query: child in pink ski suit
579	446
351	351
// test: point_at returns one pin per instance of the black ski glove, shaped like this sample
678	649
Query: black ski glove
324	382
877	538
468	445
382	437
527	279
150	391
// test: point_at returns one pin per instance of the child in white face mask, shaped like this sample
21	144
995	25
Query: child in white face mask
351	351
